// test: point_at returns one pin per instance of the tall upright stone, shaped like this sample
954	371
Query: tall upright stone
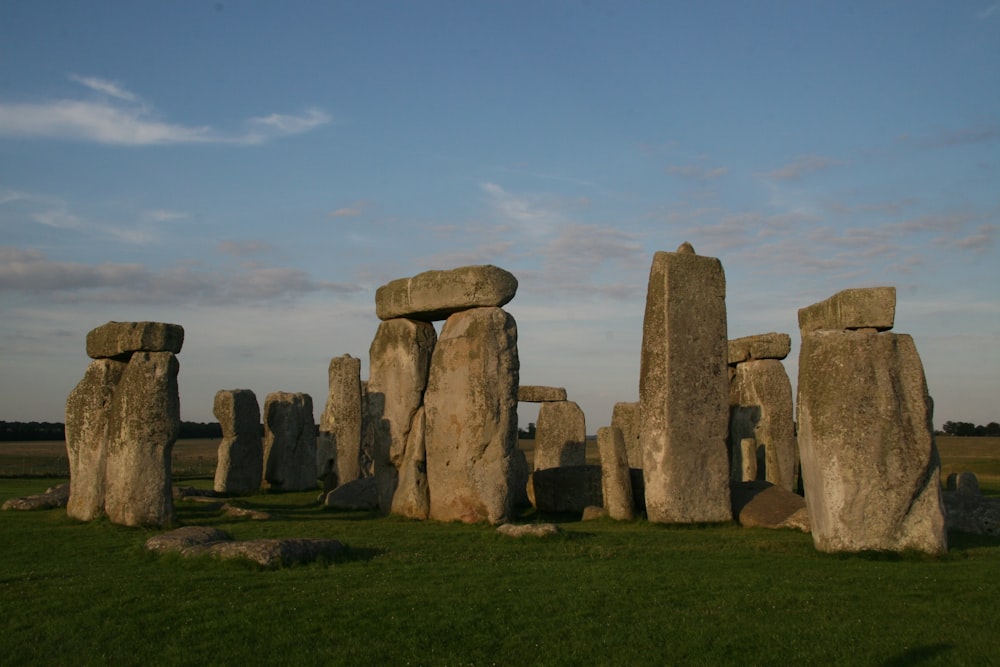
289	442
146	417
870	467
616	483
471	417
338	448
240	464
411	498
684	390
88	410
399	365
760	400
625	417
560	436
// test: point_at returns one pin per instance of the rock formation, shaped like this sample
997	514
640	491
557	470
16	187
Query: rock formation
434	295
240	465
625	417
684	390
616	486
338	448
289	442
560	435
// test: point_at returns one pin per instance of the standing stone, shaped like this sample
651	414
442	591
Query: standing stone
531	393
338	448
240	465
869	463
289	442
411	498
615	482
434	295
471	413
399	364
760	402
684	390
747	460
146	417
560	436
366	461
88	430
625	417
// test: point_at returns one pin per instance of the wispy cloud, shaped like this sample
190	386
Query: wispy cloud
244	248
29	271
697	172
118	117
989	11
802	166
345	212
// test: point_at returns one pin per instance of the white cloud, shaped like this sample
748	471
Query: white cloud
116	119
346	212
697	172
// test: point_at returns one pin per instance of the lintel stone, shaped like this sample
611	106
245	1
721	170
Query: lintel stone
762	346
530	393
121	339
859	308
434	295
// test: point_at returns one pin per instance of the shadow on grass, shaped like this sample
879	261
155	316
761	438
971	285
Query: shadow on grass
918	655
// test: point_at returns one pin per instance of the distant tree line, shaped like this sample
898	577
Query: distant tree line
966	429
35	431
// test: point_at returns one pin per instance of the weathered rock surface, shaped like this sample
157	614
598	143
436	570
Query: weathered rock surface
760	404
399	365
239	469
762	346
963	482
88	431
745	461
560	435
193	541
434	295
764	505
625	417
533	393
121	339
861	308
593	512
411	498
967	513
566	489
869	464
471	417
338	448
289	442
357	495
56	496
684	390
145	416
616	485
529	530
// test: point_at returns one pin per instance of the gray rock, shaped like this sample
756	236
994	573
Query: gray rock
471	413
56	496
434	295
338	448
625	417
357	495
963	482
121	339
745	461
616	485
764	505
566	489
684	390
869	464
187	536
146	417
529	530
762	346
593	512
532	393
195	541
399	365
760	404
966	513
239	467
289	442
88	431
560	435
411	498
861	308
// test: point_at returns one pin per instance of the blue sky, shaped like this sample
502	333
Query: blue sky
254	171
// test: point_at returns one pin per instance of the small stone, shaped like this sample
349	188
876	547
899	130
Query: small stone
529	529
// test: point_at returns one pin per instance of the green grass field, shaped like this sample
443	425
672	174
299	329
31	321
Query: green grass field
427	593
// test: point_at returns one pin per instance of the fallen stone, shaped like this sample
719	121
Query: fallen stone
977	515
592	512
529	530
181	538
194	541
121	339
244	513
764	505
533	393
56	496
434	295
762	346
357	495
860	308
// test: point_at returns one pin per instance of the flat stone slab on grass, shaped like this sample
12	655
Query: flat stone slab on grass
434	295
533	393
193	541
764	505
56	496
762	346
529	530
118	339
860	308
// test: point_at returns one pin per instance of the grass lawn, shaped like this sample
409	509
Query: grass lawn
428	593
